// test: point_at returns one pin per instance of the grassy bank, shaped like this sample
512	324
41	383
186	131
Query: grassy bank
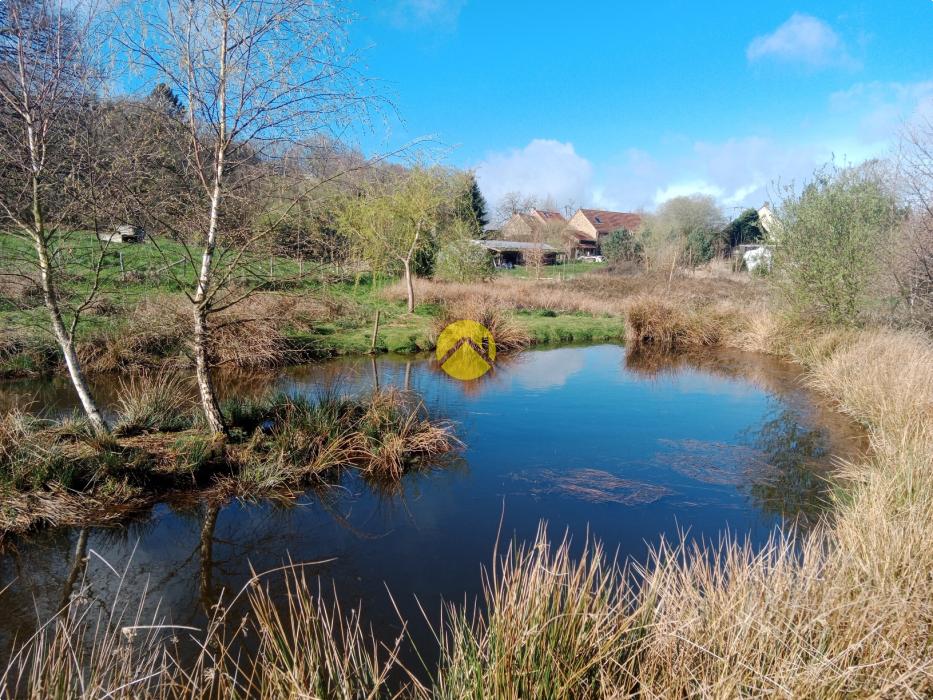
59	473
275	328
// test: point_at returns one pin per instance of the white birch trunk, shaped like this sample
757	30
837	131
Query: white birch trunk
50	297
201	302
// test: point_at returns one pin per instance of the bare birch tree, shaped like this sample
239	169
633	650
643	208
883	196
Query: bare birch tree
913	251
252	74
47	96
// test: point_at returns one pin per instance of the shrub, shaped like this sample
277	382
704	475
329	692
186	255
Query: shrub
29	457
463	261
829	247
745	228
913	254
912	265
683	231
622	246
702	245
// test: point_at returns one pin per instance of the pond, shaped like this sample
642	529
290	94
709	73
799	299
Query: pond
590	441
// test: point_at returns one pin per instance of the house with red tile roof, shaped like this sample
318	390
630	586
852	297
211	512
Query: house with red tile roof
596	224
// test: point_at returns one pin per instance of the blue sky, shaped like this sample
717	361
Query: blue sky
624	104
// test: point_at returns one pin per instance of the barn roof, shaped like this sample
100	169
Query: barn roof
608	221
508	246
549	215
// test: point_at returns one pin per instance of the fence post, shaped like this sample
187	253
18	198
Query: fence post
372	347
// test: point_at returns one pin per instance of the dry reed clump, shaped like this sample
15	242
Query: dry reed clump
509	335
154	330
60	473
252	335
249	335
154	401
556	627
661	325
20	291
35	451
311	649
58	506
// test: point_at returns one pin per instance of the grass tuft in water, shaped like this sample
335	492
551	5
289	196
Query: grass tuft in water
154	402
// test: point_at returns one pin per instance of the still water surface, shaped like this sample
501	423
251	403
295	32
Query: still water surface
580	437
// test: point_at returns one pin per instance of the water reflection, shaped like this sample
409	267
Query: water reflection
628	449
781	461
209	594
792	484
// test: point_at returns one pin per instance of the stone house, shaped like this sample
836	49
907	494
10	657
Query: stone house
596	224
540	225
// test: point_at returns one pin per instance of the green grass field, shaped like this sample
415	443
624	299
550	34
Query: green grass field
566	270
134	273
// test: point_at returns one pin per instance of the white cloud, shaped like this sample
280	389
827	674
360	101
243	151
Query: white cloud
738	172
413	14
545	168
801	39
880	109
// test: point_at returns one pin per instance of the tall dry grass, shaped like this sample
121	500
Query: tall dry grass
553	627
596	294
509	335
154	401
250	335
98	649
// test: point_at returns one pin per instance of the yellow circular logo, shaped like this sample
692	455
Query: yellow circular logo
466	350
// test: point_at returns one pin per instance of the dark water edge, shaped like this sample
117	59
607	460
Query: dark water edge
627	450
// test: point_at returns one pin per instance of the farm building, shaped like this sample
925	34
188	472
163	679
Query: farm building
124	233
509	253
539	225
770	225
522	227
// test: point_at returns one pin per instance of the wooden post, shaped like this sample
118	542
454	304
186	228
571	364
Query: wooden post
122	269
372	358
372	346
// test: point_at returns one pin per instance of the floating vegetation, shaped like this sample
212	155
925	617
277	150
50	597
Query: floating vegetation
592	485
711	462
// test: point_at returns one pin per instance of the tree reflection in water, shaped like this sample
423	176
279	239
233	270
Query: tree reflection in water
791	482
208	595
782	463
